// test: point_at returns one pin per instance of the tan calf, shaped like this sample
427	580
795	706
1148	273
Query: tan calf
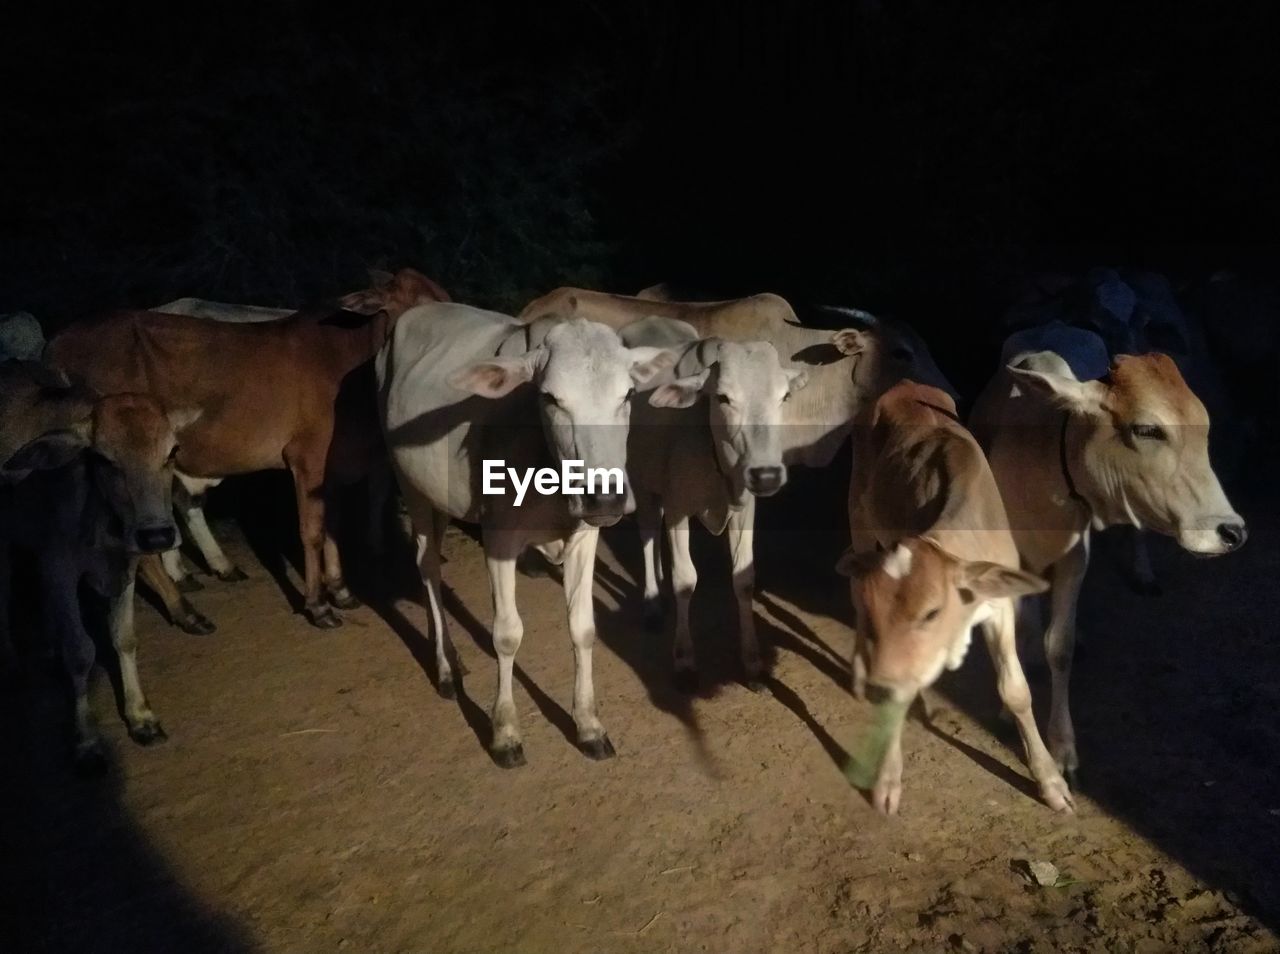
1070	456
932	556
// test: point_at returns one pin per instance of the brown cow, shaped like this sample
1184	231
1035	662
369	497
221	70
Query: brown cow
932	556
266	392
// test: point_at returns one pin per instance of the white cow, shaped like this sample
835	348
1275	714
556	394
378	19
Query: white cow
699	447
460	386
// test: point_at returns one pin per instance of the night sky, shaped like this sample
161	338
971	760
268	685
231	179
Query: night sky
906	156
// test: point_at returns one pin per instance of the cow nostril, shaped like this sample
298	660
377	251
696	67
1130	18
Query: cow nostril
765	479
1233	535
606	500
877	694
155	539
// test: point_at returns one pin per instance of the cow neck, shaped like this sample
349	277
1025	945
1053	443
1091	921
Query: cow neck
1072	491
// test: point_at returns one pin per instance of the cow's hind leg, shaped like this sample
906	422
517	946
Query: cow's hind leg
181	613
1059	644
305	458
334	582
191	505
649	521
684	579
59	577
428	547
144	727
1011	682
500	551
579	580
742	549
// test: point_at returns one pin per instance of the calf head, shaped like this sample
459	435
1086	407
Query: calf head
1137	449
132	450
584	378
915	604
745	385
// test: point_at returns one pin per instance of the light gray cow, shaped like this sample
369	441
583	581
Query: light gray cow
699	446
460	389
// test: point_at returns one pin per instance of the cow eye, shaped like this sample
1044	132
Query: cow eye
1149	432
930	616
723	399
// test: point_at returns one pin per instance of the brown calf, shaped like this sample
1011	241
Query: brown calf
932	556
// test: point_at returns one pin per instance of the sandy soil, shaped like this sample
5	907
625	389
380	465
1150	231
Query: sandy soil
316	795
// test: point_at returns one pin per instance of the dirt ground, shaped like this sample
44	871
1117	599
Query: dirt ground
316	795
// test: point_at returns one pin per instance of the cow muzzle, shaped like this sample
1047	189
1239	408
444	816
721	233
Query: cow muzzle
765	481
1214	537
155	539
605	508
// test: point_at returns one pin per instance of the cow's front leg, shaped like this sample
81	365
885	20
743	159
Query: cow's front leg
649	522
178	572
1059	644
181	613
144	727
579	581
428	546
500	551
886	794
1011	682
60	574
191	506
742	548
334	583
684	579
305	458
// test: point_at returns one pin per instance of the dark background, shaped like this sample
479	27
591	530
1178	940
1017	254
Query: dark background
907	156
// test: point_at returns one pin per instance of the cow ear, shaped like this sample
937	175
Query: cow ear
365	302
184	417
683	392
850	341
854	564
1081	397
797	379
988	581
648	363
47	452
495	378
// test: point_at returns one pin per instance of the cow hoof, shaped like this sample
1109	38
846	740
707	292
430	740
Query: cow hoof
197	624
598	749
685	680
148	733
189	584
446	688
322	617
90	760
344	600
511	756
233	575
653	616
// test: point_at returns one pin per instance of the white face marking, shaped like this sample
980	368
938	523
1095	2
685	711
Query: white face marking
898	563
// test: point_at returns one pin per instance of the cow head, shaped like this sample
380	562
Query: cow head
132	451
1137	447
915	604
584	378
892	351
746	386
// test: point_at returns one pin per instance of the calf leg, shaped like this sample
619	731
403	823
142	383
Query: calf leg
742	549
579	579
59	577
305	458
334	583
1059	643
886	794
1000	634
500	550
428	547
684	578
178	572
181	613
144	727
649	520
208	546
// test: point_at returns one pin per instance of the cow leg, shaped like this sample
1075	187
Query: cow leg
208	546
742	549
886	794
307	467
144	727
579	584
1059	643
500	550
181	613
684	578
428	547
1011	682
178	572
334	583
59	576
649	520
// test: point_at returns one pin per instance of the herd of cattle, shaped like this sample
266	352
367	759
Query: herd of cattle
1088	423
